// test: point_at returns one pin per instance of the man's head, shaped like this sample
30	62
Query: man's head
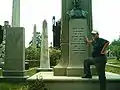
95	34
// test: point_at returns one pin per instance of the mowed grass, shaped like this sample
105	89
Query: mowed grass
17	86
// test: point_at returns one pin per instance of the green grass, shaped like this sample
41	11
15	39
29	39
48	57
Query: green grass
13	86
113	60
113	69
17	86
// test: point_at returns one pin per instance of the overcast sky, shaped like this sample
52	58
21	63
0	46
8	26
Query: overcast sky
106	16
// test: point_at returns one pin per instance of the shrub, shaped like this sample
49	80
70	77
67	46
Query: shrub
38	84
32	53
55	56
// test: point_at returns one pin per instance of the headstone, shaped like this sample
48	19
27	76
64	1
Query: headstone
15	52
44	57
16	13
62	68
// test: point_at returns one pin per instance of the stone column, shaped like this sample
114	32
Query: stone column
16	13
61	68
44	57
78	50
34	36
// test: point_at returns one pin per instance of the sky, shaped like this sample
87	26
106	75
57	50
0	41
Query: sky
106	16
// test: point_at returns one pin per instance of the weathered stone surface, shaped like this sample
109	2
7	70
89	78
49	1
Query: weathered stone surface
16	13
78	50
44	59
66	6
15	52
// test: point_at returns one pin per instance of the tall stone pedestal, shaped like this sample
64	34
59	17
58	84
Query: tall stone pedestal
14	53
73	51
78	51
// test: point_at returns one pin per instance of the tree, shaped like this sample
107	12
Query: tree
115	48
38	40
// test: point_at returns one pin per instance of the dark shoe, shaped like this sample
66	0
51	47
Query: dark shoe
86	76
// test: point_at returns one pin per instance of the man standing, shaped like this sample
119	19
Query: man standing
98	59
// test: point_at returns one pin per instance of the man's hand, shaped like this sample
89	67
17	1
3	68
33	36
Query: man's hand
87	41
104	47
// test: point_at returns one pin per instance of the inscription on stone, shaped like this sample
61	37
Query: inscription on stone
77	42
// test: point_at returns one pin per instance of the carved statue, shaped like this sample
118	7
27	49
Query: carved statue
77	12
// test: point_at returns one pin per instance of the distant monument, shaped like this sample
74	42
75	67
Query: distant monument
56	33
14	66
34	36
44	57
16	13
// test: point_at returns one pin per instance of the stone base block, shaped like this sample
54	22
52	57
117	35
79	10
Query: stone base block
44	69
60	69
13	78
76	83
13	73
75	71
79	71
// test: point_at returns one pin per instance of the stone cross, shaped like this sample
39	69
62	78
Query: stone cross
16	13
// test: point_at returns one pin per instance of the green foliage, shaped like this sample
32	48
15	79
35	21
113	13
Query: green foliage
55	56
32	53
115	48
112	69
38	40
38	84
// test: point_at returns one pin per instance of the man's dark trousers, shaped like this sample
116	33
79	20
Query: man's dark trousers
100	63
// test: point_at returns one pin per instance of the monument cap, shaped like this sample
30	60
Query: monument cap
94	32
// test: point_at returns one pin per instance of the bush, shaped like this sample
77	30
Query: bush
38	84
55	56
33	63
32	53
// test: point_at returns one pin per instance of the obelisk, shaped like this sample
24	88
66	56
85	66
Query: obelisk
16	13
44	57
34	36
14	67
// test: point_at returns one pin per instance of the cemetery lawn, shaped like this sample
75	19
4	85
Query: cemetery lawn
17	86
112	68
114	61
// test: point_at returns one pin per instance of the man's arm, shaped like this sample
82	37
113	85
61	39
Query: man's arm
88	41
104	48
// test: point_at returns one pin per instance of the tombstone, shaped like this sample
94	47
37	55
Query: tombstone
70	64
44	57
34	36
14	66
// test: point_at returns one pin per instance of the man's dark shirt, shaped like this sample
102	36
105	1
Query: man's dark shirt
97	47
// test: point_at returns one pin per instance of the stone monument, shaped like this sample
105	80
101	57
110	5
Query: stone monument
14	66
16	13
44	57
34	36
76	22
